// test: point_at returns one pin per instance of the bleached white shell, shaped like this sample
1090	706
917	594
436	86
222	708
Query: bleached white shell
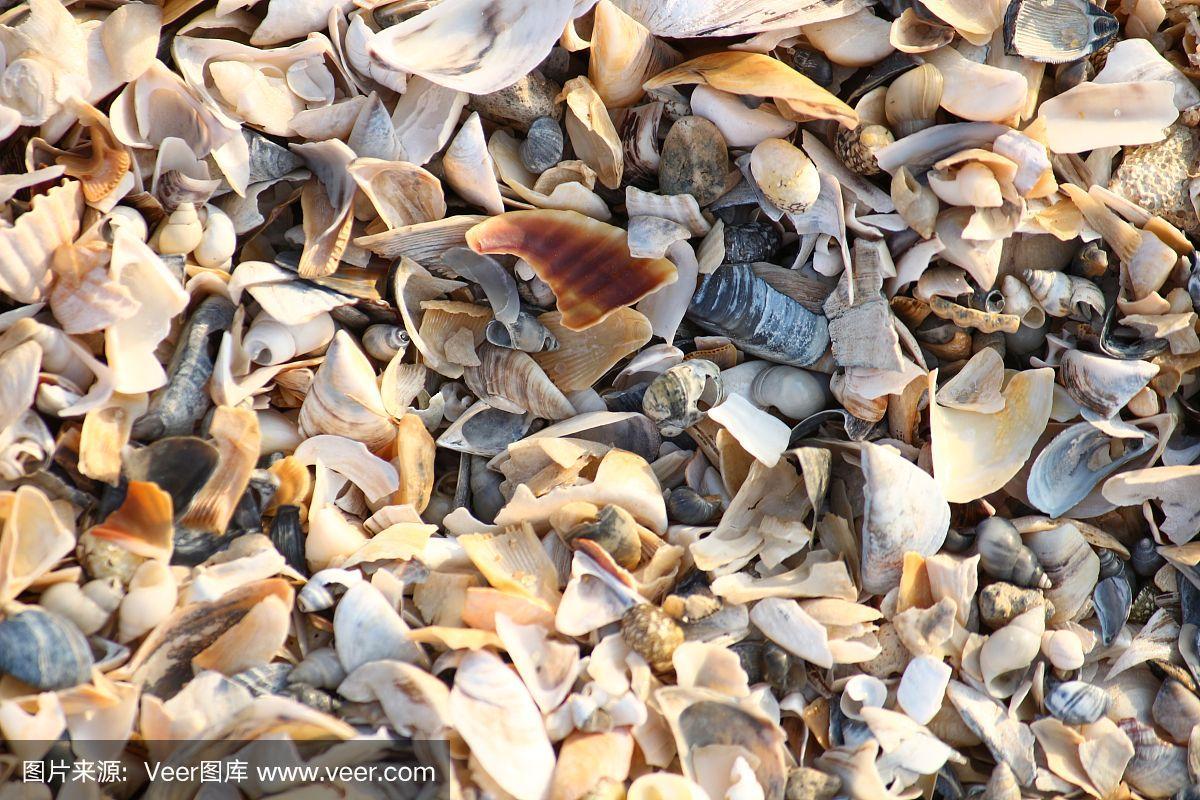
1008	653
923	687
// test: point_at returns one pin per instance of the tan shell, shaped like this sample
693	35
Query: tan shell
344	399
512	381
583	357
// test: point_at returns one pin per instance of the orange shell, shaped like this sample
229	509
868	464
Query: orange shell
586	262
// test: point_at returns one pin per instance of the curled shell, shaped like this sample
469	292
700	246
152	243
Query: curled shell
1003	556
1102	384
344	399
512	381
672	398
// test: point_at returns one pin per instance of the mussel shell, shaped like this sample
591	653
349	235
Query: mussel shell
628	399
1058	31
691	508
813	65
1117	348
484	431
543	145
1064	473
288	537
751	241
615	530
44	650
1113	599
179	465
736	303
1077	702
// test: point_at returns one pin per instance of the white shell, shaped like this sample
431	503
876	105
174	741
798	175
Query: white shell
923	687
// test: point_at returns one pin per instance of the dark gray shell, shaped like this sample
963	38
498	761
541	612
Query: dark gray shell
691	508
484	431
288	537
1074	462
177	407
1077	702
525	333
750	241
1003	555
1145	559
543	146
44	650
1113	599
179	465
1056	32
736	303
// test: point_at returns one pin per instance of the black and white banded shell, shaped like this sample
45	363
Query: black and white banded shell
1056	31
736	303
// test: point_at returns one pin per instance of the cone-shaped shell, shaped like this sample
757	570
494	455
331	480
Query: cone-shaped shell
585	262
512	381
903	511
344	399
736	303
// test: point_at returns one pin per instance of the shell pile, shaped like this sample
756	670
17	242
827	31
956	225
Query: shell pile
672	399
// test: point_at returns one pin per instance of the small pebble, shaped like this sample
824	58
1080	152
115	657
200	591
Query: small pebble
694	160
1000	602
532	97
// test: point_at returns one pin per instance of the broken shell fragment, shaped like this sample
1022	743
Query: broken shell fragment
585	262
1056	32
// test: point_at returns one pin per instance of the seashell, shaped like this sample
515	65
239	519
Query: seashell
761	76
1074	462
893	483
623	55
235	432
181	232
687	506
694	160
1113	598
1061	295
1157	769
139	529
1002	784
484	431
469	169
1145	558
858	40
590	129
1063	650
1007	653
785	175
1077	702
1070	564
1094	115
384	342
366	628
179	465
176	407
1176	709
793	392
750	242
1056	33
758	433
976	91
324	587
912	33
671	399
980	258
740	126
150	599
344	399
1006	737
270	342
512	381
652	634
922	688
543	145
287	535
996	445
494	713
736	303
33	540
69	601
1000	603
1103	385
1155	175
856	148
664	786
319	668
218	242
1003	556
27	247
585	262
915	202
44	650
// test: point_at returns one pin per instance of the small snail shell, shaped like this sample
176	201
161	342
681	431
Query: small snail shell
218	241
856	148
671	399
913	99
181	232
383	342
1005	557
1145	559
652	634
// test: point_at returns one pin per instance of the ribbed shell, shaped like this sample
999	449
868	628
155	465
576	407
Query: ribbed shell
27	245
512	381
44	650
586	262
1056	32
735	302
582	358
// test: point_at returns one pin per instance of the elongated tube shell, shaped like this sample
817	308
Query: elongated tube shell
735	302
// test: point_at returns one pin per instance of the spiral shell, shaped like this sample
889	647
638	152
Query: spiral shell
512	381
912	100
181	232
383	342
1062	295
1077	702
672	398
1003	556
690	507
857	147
